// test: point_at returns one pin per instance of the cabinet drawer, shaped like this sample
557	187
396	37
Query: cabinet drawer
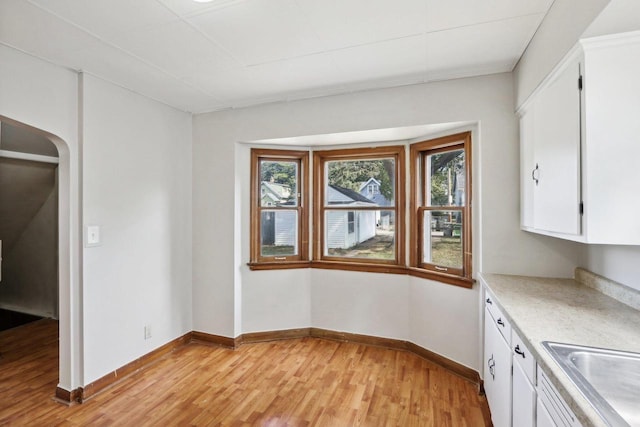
497	317
523	357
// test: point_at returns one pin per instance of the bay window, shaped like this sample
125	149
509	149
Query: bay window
359	209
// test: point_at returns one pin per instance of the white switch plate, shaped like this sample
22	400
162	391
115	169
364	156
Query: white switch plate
92	234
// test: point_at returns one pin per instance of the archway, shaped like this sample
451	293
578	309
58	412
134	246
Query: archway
69	264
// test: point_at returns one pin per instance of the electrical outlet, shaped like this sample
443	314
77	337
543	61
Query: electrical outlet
147	332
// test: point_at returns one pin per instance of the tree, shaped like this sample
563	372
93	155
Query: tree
444	167
386	176
283	173
352	173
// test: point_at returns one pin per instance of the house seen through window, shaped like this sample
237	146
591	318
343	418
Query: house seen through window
365	230
356	217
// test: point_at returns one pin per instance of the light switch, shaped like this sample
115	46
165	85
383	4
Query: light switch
93	235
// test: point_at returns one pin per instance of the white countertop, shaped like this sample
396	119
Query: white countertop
565	311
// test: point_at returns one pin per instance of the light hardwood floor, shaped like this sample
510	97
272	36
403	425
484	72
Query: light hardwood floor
299	382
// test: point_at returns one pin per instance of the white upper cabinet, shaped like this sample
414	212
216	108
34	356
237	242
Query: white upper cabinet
550	140
580	145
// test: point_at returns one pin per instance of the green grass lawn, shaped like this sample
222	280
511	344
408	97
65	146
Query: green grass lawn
380	246
278	250
446	251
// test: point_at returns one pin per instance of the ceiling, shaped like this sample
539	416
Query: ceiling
396	134
231	53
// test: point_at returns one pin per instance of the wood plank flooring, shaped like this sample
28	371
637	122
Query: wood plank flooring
300	382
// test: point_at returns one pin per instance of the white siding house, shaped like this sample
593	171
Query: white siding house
345	229
278	226
285	228
371	190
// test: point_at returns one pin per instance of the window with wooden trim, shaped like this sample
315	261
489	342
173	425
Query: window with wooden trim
354	226
441	209
279	220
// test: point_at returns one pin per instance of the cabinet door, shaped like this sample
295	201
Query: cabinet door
557	153
543	419
527	169
497	372
489	359
523	398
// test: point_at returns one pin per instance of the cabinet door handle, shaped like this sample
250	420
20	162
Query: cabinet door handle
500	322
533	174
488	301
518	351
492	365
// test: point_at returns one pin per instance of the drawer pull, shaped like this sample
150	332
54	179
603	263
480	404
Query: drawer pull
518	351
488	301
500	322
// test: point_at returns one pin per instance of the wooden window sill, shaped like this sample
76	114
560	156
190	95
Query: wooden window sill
358	266
278	265
463	282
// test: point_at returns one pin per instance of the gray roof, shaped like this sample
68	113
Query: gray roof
354	195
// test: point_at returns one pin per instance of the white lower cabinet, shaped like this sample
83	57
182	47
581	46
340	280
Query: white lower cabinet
553	406
524	398
518	392
497	373
543	419
523	384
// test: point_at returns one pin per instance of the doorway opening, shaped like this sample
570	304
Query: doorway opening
28	227
36	226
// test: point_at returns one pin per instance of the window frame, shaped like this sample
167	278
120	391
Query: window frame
418	152
320	159
257	260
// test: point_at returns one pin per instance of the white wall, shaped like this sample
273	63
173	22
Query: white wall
393	306
30	266
137	187
44	97
619	263
560	30
361	303
262	300
444	319
617	17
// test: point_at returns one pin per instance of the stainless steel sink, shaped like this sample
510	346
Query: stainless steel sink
609	379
